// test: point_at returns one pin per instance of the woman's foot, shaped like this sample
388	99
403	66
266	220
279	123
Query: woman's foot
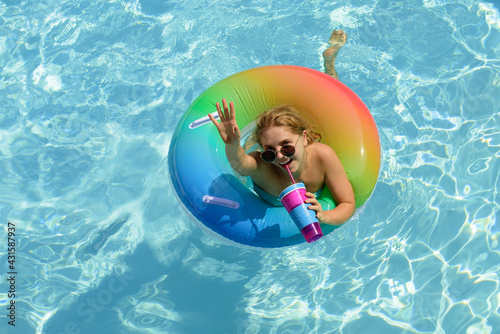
337	40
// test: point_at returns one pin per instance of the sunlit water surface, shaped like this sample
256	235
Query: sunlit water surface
91	92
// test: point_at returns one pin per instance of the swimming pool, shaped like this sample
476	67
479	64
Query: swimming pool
91	92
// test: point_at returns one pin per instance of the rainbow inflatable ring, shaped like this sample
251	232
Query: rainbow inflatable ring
215	195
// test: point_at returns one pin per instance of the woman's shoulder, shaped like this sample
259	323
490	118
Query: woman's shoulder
324	153
322	149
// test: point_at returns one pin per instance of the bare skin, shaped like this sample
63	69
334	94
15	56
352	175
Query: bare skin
337	40
315	164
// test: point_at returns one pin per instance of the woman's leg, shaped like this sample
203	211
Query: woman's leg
337	40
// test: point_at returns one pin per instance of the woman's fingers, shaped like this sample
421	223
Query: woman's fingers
225	112
311	197
225	108
232	113
228	129
219	111
212	118
315	206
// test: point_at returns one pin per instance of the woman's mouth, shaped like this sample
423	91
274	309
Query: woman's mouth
288	162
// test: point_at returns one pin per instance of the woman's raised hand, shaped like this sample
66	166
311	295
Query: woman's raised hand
228	128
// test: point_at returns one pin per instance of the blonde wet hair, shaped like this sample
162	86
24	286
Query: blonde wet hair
286	116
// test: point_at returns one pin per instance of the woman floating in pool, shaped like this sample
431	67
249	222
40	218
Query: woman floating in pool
287	139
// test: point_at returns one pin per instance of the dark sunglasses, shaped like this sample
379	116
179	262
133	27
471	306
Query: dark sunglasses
286	150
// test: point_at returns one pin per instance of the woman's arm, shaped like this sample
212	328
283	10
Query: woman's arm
340	188
229	131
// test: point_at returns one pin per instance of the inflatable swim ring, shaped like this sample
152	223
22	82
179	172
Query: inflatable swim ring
218	197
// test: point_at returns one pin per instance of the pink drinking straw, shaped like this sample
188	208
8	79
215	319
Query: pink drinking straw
290	173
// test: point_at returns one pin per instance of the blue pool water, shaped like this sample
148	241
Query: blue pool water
91	92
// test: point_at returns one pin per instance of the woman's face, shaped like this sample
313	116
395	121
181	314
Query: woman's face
275	137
